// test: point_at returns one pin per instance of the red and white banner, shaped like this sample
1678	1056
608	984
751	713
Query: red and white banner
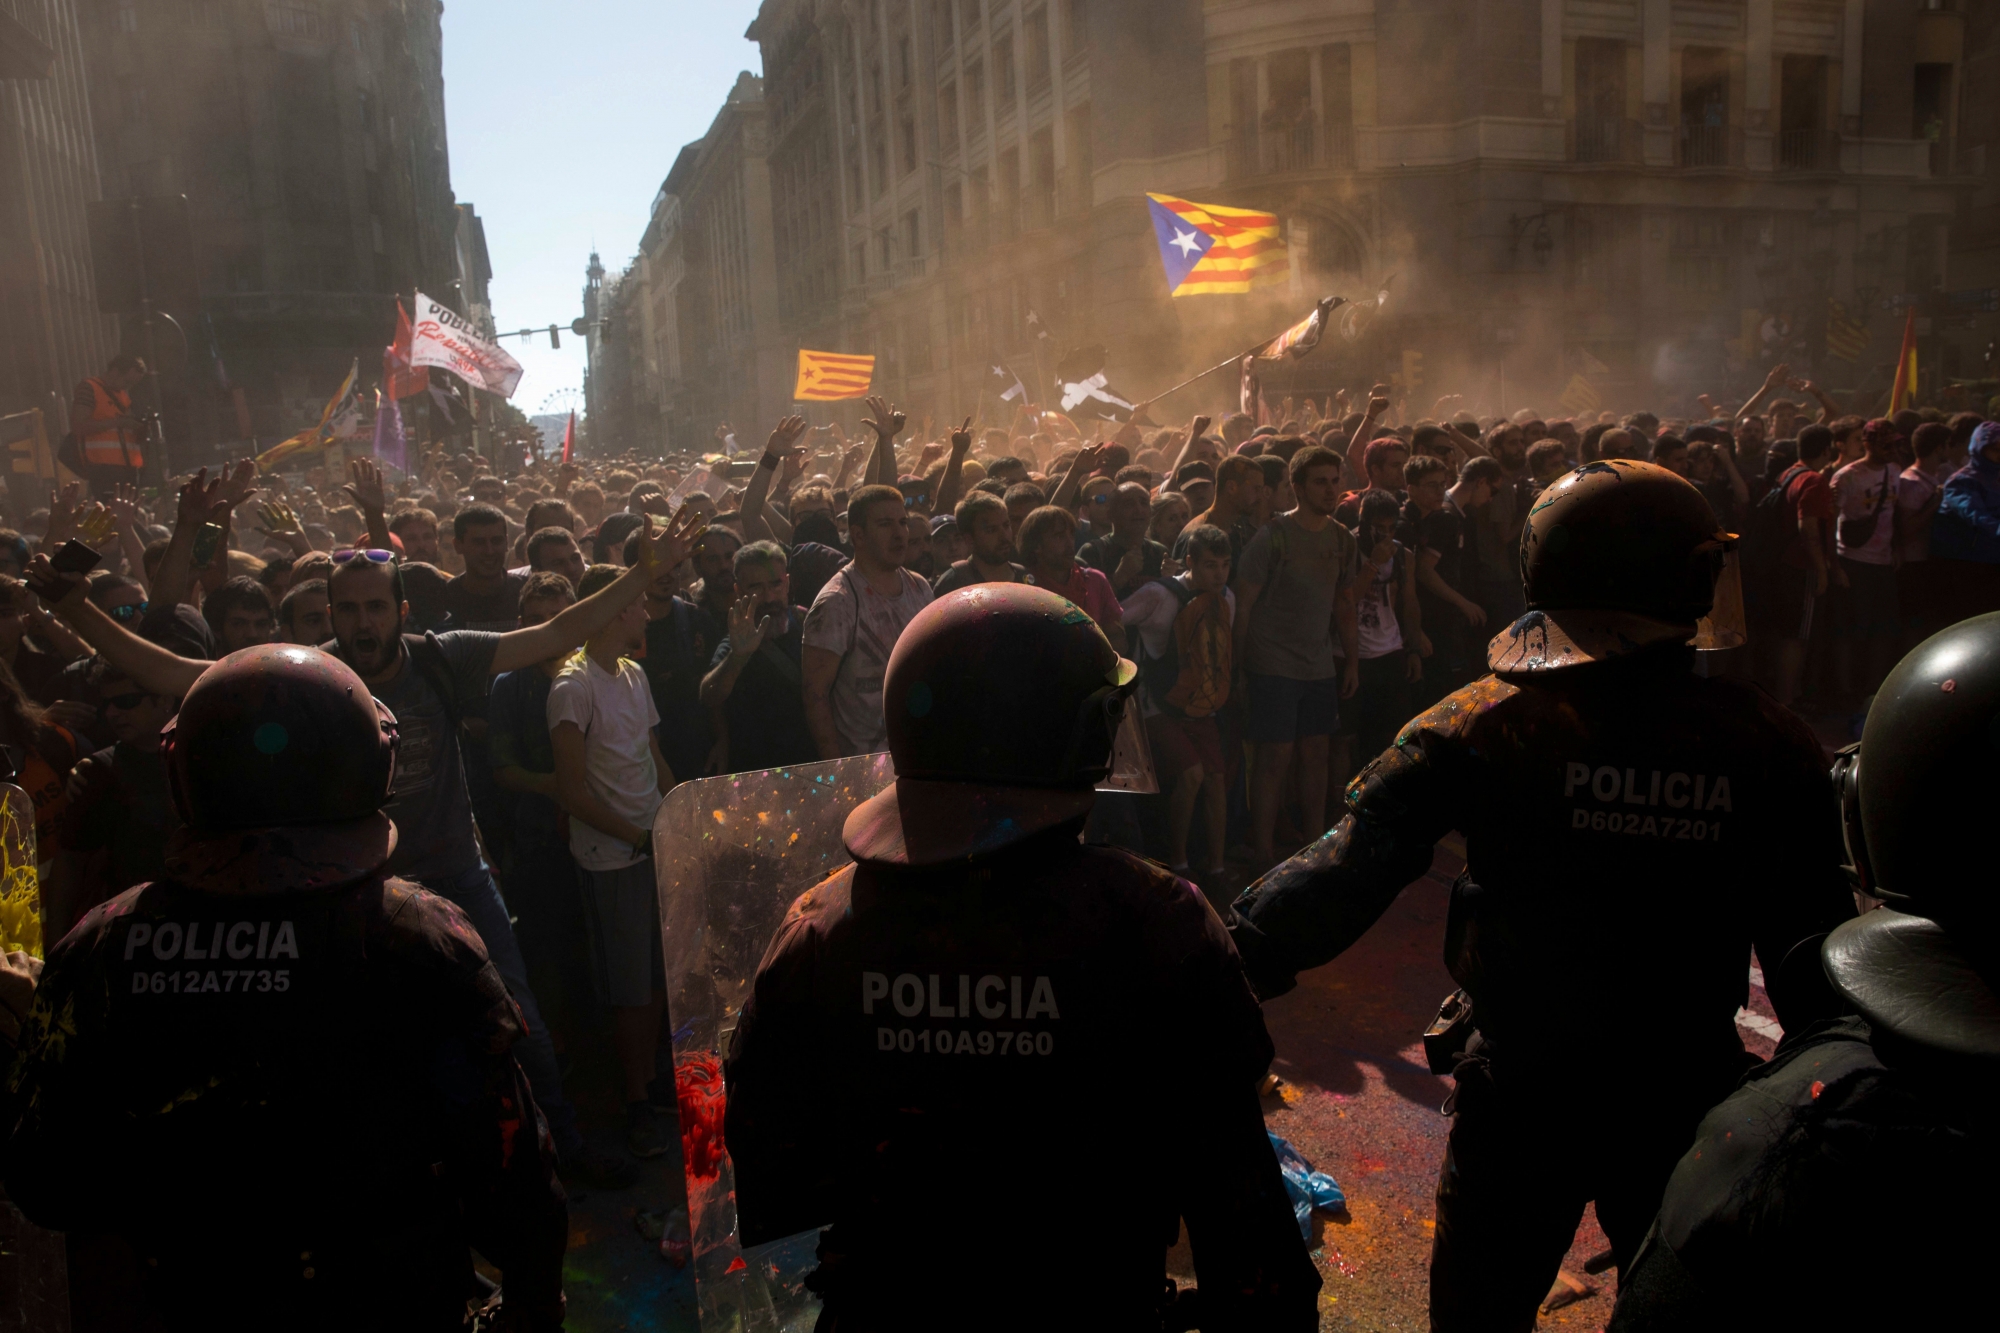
446	339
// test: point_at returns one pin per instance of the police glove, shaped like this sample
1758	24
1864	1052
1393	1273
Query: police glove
1267	973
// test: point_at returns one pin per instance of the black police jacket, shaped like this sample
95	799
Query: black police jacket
1844	1187
1631	829
297	1109
1001	1084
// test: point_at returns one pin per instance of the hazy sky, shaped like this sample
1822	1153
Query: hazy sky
564	117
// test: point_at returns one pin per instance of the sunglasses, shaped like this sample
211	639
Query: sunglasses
1102	498
126	702
130	611
370	553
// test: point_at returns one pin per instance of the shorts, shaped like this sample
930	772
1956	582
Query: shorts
621	909
1283	710
1182	743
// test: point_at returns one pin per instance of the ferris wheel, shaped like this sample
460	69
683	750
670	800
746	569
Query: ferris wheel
561	403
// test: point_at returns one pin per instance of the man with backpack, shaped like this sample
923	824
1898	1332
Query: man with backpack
1184	628
1788	551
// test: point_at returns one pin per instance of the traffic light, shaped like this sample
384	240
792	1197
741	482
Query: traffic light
555	338
1413	370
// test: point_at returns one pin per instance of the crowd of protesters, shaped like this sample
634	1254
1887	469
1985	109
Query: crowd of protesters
563	645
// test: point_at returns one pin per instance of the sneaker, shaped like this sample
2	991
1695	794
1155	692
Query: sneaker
594	1166
645	1135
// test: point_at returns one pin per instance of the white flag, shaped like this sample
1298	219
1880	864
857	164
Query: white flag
446	339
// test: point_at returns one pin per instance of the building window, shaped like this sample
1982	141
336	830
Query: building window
1705	137
860	262
128	16
1003	70
913	233
888	251
1076	35
1036	28
909	137
295	18
1802	110
941	21
970	10
904	73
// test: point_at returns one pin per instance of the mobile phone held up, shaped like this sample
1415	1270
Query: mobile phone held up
207	541
74	559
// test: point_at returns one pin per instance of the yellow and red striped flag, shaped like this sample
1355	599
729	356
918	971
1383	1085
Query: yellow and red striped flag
1208	249
826	377
1905	389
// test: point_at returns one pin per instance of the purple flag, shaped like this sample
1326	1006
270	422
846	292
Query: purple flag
389	446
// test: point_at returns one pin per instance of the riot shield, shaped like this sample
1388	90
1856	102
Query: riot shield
729	855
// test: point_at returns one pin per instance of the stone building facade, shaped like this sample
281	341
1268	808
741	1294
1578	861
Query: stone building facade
51	334
309	139
1662	196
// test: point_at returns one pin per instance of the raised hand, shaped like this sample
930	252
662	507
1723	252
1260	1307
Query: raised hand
239	484
123	505
887	421
65	515
1779	374
95	526
674	540
1378	404
928	455
61	592
1197	427
276	519
364	485
784	436
746	631
961	439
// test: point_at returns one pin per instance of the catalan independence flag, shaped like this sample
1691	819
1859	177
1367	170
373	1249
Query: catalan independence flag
826	377
1208	249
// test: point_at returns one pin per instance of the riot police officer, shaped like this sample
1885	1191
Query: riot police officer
1631	830
1848	1184
277	1082
1000	1067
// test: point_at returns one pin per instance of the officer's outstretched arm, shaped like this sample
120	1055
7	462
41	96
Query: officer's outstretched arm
1310	909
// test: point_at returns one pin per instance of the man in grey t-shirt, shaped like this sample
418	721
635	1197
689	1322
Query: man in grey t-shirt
1291	586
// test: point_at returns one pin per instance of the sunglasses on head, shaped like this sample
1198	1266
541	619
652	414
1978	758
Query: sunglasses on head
129	611
370	553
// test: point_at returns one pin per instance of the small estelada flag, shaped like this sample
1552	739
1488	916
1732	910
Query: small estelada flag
1207	249
826	377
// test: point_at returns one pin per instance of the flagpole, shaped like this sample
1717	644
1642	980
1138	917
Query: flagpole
1236	360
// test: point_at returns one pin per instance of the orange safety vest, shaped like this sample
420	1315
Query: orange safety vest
108	448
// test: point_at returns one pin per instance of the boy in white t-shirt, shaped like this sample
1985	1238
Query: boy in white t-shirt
610	776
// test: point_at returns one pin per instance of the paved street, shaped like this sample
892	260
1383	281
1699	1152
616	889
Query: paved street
1357	1100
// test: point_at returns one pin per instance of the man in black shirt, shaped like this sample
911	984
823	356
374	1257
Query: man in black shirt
681	637
1434	527
986	522
485	597
1126	555
755	681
